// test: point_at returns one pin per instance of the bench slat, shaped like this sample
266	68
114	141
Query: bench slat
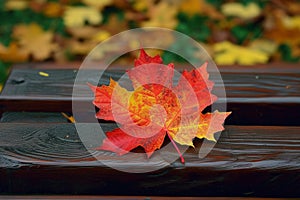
247	161
260	97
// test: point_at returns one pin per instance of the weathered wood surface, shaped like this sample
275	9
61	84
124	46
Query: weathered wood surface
258	97
44	158
33	117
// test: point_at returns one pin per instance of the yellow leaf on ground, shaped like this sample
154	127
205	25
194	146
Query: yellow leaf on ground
291	22
76	16
264	45
89	32
227	53
248	11
35	41
282	35
140	5
162	15
16	5
12	53
84	32
101	36
192	7
53	9
97	4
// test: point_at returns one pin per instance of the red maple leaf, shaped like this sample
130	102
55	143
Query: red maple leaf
156	107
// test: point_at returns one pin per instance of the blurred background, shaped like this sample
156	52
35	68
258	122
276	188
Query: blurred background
245	32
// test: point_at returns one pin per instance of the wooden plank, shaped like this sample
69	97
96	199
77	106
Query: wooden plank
256	98
33	117
256	161
277	67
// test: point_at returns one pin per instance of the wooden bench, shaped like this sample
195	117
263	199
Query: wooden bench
258	155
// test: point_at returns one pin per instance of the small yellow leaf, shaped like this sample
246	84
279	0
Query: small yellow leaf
16	5
192	7
162	15
227	53
248	11
264	45
97	4
101	36
70	118
76	16
140	5
291	22
43	74
35	41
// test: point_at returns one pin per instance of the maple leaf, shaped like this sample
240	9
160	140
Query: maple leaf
194	7
248	11
227	53
156	107
76	16
160	18
35	41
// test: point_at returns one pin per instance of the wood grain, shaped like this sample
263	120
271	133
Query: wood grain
260	161
260	97
33	117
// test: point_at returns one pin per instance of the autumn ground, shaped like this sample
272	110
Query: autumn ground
243	32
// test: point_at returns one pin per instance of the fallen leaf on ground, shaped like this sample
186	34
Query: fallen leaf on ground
16	5
248	11
97	4
194	7
291	22
35	41
141	5
162	15
12	53
76	16
264	45
226	53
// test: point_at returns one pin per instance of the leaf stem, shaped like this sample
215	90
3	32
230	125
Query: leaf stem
175	146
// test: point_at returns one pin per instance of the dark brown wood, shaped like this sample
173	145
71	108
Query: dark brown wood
260	97
49	158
